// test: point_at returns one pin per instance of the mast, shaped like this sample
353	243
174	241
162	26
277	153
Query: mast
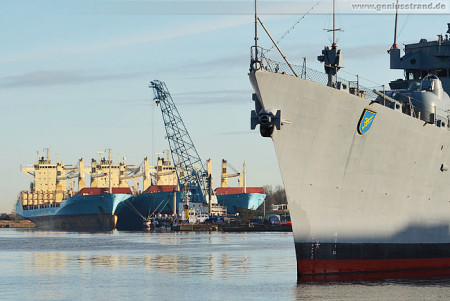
47	149
245	180
394	52
278	48
394	46
332	58
256	30
334	24
109	173
81	180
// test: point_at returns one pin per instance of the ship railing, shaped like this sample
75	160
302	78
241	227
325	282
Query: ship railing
434	115
304	72
438	117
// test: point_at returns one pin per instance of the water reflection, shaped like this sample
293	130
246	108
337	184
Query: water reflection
46	262
214	264
86	266
435	288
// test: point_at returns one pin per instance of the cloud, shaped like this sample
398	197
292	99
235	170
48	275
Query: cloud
241	60
215	92
223	7
127	40
235	133
235	97
194	98
45	78
368	51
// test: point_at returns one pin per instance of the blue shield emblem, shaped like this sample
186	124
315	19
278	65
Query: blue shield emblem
366	121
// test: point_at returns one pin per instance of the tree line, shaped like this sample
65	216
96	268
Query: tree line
9	217
274	195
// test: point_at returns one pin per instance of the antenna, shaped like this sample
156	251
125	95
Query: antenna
334	23
394	46
333	45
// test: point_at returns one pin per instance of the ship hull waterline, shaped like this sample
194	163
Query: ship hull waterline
85	222
347	192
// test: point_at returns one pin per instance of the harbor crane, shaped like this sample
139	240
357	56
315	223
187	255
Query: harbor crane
191	173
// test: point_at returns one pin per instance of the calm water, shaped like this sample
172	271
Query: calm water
38	265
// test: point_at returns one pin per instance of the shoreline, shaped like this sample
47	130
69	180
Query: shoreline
16	224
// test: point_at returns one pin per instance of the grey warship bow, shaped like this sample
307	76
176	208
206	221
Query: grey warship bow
366	172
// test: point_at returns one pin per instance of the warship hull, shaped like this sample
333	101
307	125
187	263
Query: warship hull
360	204
77	213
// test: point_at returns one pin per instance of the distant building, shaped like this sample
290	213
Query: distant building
277	207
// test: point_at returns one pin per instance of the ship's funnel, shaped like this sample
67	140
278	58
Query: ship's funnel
432	84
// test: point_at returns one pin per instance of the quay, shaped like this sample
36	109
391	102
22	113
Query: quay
225	227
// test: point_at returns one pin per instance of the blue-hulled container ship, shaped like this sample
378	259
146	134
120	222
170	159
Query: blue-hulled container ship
161	199
155	200
160	189
52	205
236	198
88	210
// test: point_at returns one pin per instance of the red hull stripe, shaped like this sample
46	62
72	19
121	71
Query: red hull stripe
329	267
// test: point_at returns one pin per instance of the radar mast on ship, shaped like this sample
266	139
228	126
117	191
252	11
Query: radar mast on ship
332	57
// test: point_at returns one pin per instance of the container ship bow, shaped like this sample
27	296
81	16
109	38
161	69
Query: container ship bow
365	171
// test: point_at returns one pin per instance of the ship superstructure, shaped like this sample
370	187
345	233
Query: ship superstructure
365	171
164	172
49	187
421	59
105	173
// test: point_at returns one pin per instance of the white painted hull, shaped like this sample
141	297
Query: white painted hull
383	187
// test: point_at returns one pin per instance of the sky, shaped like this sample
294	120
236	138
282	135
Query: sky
74	75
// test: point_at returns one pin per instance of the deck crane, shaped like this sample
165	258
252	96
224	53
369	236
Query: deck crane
191	173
